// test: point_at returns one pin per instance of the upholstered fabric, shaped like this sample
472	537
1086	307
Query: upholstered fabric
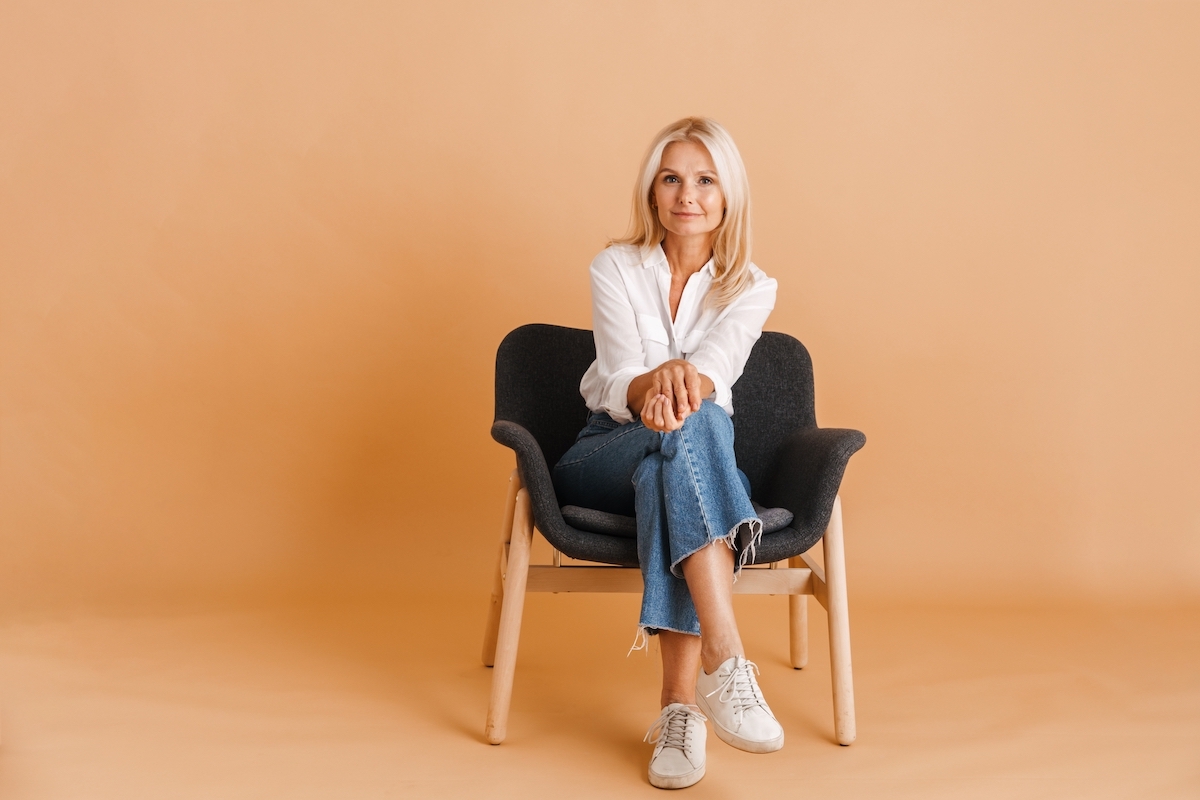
791	463
593	521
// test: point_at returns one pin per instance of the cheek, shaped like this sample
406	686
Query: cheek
660	204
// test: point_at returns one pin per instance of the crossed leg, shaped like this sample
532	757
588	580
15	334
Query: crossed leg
709	576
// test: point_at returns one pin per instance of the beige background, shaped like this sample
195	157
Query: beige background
256	259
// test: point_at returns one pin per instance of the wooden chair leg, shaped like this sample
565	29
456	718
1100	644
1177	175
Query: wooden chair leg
839	629
510	620
493	619
798	622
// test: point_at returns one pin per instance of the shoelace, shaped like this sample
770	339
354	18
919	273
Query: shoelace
741	690
671	728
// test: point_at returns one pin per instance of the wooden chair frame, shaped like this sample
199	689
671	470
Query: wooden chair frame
801	577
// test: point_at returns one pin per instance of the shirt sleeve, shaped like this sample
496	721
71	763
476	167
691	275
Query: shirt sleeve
723	353
619	354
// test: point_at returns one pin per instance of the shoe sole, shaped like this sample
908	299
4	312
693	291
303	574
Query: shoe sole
677	781
732	739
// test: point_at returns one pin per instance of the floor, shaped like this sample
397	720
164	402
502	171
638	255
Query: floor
387	699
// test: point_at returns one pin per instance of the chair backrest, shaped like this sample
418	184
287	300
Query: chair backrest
538	369
773	397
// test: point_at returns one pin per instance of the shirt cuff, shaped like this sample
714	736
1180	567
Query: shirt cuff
616	399
722	393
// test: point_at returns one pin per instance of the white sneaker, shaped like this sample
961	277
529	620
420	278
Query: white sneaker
740	716
678	736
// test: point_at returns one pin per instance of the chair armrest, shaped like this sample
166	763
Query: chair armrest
808	472
535	474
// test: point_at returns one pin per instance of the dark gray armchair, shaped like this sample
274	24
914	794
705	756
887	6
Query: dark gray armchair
794	467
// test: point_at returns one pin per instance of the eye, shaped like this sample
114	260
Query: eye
707	181
670	179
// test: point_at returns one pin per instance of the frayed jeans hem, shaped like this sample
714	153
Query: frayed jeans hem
730	540
644	632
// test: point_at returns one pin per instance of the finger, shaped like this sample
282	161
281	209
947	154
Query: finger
648	414
683	400
667	388
656	416
668	414
679	389
650	395
693	384
671	420
681	412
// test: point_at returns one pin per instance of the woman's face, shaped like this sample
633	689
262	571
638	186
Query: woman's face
686	194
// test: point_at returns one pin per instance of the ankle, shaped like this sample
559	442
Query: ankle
711	659
678	697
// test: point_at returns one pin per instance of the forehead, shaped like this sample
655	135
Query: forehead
687	156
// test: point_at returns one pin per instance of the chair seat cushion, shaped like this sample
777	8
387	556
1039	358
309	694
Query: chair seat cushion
592	521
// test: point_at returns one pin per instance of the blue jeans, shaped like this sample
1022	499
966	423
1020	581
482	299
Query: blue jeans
685	489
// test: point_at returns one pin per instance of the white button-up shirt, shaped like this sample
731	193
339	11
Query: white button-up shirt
631	319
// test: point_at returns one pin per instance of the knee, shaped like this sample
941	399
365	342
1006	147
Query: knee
709	415
648	470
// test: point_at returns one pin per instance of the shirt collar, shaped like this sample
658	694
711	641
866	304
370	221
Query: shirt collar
656	257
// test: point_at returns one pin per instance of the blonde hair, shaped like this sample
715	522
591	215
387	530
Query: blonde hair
731	242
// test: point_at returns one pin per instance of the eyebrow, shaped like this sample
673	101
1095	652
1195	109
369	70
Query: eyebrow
701	172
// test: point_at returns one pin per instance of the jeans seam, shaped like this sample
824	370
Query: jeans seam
697	483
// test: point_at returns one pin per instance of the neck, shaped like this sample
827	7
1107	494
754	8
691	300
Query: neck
687	255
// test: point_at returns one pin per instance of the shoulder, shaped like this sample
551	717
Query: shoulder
617	258
758	294
758	274
761	281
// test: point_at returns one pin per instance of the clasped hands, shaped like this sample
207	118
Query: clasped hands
669	394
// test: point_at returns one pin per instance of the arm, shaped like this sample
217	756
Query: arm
619	354
723	353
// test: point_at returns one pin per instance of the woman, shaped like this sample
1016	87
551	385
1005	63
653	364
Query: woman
677	306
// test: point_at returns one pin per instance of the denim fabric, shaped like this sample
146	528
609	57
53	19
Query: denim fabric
685	489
